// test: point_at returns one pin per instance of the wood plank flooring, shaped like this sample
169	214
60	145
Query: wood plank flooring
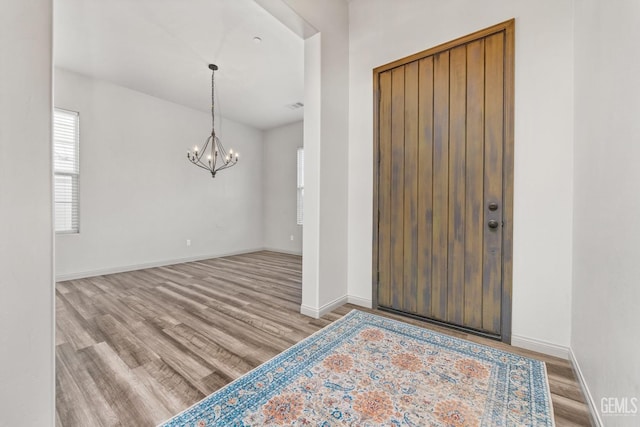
133	349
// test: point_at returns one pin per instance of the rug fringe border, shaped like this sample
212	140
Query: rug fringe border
546	376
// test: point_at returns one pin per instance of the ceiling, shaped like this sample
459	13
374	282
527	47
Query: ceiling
163	48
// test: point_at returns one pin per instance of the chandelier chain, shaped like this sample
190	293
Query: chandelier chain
213	111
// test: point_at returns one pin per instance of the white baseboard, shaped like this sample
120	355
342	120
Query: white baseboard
282	251
309	311
362	302
316	313
593	409
133	267
540	346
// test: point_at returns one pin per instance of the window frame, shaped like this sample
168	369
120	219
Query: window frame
300	186
75	176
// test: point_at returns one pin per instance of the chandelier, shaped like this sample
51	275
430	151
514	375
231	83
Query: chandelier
213	157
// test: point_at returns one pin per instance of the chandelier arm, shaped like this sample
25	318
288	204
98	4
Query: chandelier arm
221	150
202	167
230	161
197	161
226	165
199	164
204	149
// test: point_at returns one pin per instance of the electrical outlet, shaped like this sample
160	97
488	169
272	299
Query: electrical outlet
188	242
291	237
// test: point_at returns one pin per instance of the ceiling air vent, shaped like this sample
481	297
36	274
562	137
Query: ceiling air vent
295	106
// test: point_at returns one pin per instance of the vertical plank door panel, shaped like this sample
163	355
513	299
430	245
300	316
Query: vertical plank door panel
457	176
384	192
425	185
507	182
397	188
493	131
474	213
440	185
410	187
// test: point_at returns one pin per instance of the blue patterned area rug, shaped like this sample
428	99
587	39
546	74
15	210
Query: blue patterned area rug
367	370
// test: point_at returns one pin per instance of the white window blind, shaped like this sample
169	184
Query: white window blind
300	184
66	167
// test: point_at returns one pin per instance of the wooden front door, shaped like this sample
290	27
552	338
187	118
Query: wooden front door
443	189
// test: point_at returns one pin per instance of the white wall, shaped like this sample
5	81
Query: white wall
606	270
311	203
324	281
279	188
385	30
26	239
140	198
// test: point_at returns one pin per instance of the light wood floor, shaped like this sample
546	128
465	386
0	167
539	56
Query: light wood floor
133	349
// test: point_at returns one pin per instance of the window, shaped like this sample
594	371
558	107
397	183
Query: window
300	184
66	170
